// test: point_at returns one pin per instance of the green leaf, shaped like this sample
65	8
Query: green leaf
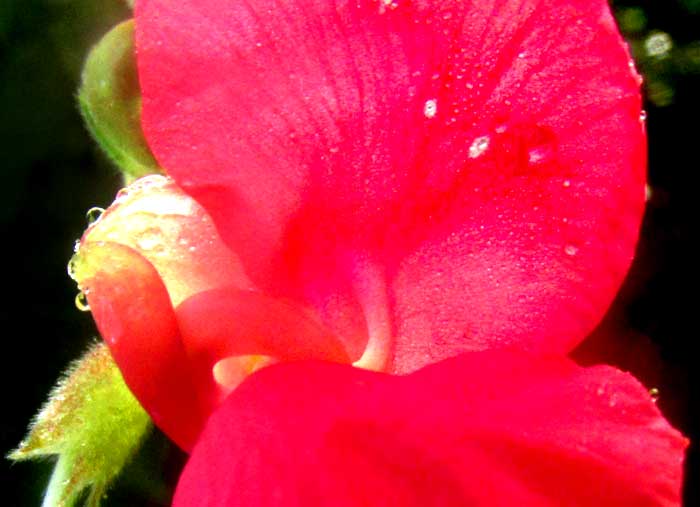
110	102
92	423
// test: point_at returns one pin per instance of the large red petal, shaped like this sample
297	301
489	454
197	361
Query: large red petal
484	429
482	161
135	317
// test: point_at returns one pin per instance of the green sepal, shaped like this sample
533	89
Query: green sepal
110	102
92	423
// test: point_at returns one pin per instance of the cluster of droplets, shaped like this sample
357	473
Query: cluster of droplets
92	216
479	146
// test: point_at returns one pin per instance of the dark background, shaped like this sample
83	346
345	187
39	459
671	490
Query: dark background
52	173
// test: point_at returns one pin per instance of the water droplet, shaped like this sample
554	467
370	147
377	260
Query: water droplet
643	116
479	146
93	215
430	108
541	144
122	194
566	184
522	54
570	250
469	86
447	15
536	155
654	393
435	77
150	240
386	4
81	302
76	246
72	265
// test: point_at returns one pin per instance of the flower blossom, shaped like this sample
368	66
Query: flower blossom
384	184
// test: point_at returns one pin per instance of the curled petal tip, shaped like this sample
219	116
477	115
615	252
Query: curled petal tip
134	314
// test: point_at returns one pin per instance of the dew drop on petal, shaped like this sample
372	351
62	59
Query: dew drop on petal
122	194
566	184
648	193
541	144
536	156
430	108
643	116
81	302
93	215
150	240
654	393
570	250
479	146
72	265
386	4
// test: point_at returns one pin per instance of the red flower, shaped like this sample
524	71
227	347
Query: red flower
428	177
387	184
485	429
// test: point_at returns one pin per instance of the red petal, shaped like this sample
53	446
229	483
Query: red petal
484	429
486	158
133	312
222	323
